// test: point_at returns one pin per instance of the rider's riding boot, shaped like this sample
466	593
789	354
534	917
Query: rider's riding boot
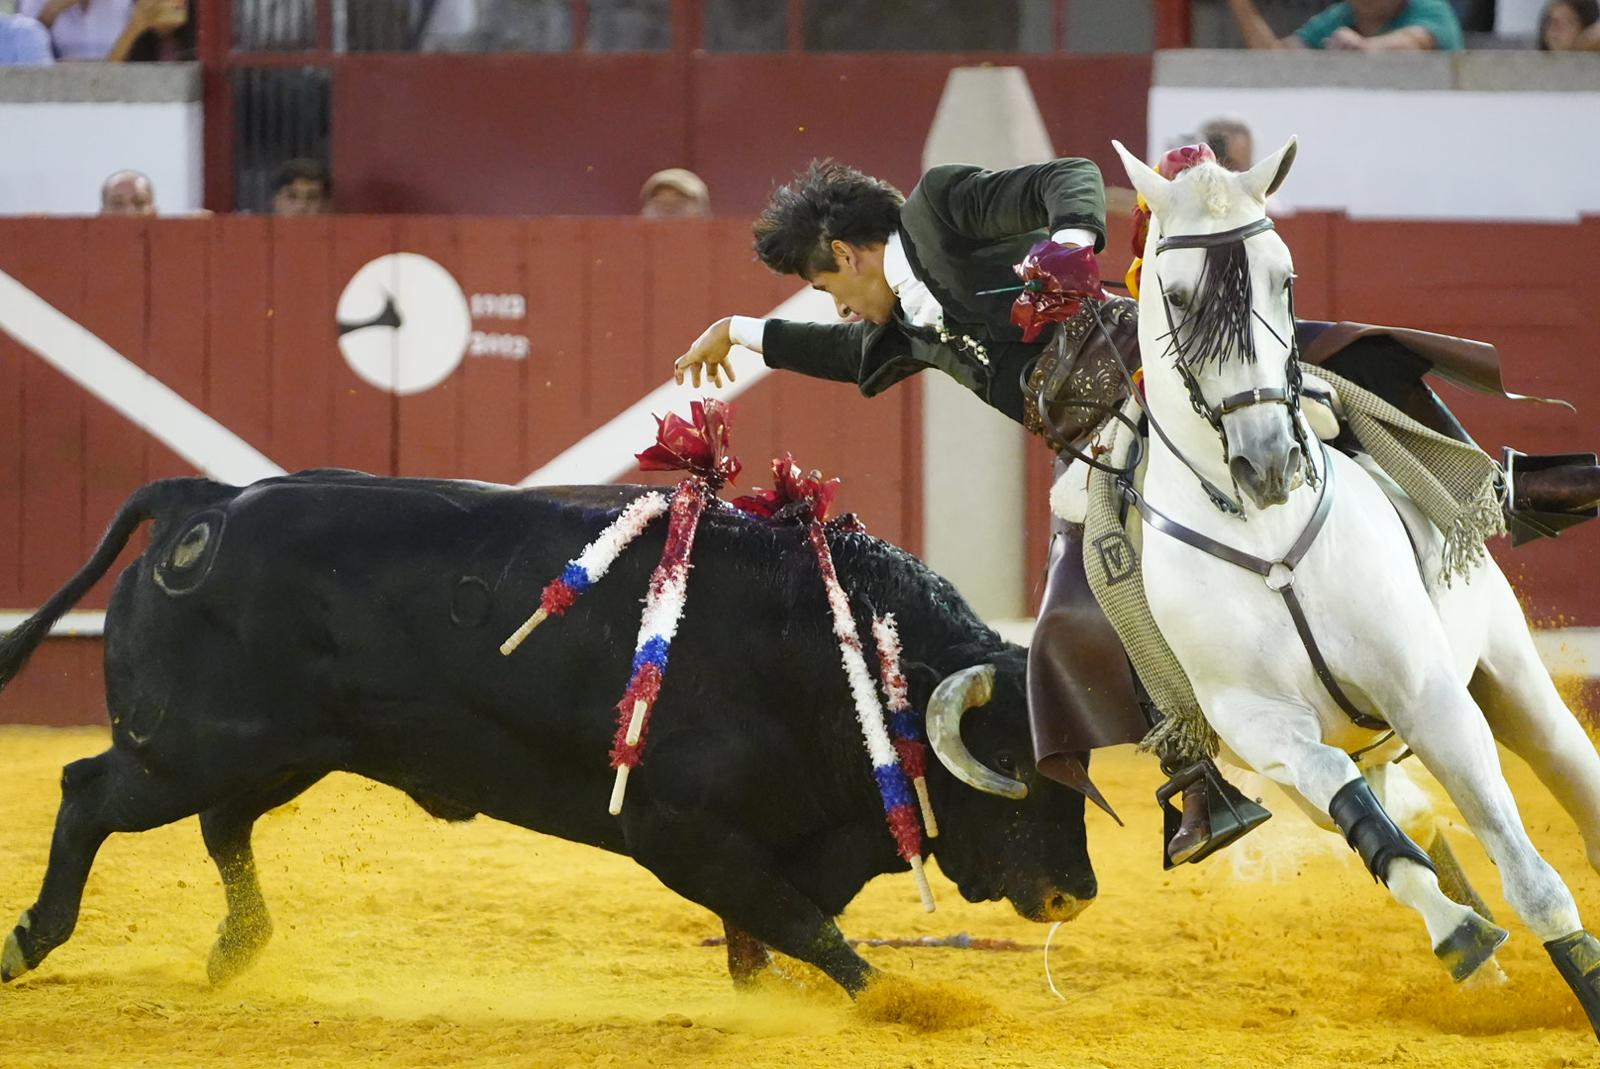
1214	812
1547	494
1195	828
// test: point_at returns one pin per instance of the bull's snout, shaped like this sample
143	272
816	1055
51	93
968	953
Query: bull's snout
1061	902
1267	480
1060	907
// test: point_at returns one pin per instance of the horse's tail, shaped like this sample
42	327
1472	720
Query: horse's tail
145	503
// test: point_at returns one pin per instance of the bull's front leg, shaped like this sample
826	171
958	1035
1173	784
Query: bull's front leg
721	868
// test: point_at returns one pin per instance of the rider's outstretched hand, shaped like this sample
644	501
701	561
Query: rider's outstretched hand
709	352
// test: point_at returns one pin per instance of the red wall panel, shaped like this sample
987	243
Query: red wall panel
302	330
48	257
364	432
578	134
494	424
505	134
557	401
177	348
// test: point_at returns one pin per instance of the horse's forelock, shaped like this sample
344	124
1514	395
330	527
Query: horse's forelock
1206	189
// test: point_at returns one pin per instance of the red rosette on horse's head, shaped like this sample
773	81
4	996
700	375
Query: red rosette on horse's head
1171	166
794	493
1056	280
699	445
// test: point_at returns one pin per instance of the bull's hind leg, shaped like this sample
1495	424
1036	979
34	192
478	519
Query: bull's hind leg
722	869
1284	743
226	828
113	792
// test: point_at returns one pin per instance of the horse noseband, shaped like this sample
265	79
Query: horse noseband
1258	396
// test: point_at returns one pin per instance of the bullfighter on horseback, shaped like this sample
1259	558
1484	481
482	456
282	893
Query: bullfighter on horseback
931	281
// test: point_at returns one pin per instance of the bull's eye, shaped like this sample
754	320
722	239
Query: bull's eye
1005	762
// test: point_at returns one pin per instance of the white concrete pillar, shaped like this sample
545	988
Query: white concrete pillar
972	456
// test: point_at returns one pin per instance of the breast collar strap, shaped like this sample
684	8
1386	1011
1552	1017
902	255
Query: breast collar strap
1278	575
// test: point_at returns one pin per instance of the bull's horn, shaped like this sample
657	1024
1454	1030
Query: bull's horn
960	691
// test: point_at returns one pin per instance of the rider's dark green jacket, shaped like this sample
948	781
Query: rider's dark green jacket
962	229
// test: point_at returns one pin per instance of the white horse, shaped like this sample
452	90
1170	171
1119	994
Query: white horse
1451	668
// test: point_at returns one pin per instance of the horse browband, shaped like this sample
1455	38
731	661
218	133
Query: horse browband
1223	237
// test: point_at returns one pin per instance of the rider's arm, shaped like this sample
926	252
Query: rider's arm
986	206
821	350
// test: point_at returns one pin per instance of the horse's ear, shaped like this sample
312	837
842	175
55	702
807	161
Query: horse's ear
1263	180
1150	185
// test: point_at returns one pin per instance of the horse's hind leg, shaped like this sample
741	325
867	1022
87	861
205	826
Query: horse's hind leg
1459	749
226	828
1528	717
1284	744
112	792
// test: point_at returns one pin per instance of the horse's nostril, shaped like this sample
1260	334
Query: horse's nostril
1244	471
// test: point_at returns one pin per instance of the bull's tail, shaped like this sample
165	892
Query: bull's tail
147	502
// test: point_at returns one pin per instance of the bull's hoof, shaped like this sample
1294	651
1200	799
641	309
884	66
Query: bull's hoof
13	961
1577	958
236	949
1472	943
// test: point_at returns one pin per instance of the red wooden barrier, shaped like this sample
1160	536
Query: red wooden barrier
237	316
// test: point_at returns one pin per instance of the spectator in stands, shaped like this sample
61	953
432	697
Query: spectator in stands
24	42
674	194
127	193
1570	26
1231	140
1360	26
157	31
303	187
80	29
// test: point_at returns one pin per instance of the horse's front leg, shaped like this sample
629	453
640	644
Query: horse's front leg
1284	742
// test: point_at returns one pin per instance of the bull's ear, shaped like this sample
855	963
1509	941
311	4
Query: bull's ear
1150	185
1263	180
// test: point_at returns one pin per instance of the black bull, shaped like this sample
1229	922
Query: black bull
331	621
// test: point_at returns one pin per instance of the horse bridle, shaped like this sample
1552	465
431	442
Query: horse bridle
1278	575
1288	396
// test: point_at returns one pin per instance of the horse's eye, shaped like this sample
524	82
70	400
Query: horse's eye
1177	299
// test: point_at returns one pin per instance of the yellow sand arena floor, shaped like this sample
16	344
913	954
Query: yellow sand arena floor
402	941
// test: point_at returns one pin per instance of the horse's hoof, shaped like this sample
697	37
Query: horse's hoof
13	962
1472	943
1577	958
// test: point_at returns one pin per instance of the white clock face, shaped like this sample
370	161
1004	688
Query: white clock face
403	323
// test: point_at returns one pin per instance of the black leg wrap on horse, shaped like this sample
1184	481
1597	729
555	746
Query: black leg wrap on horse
1371	832
1577	958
